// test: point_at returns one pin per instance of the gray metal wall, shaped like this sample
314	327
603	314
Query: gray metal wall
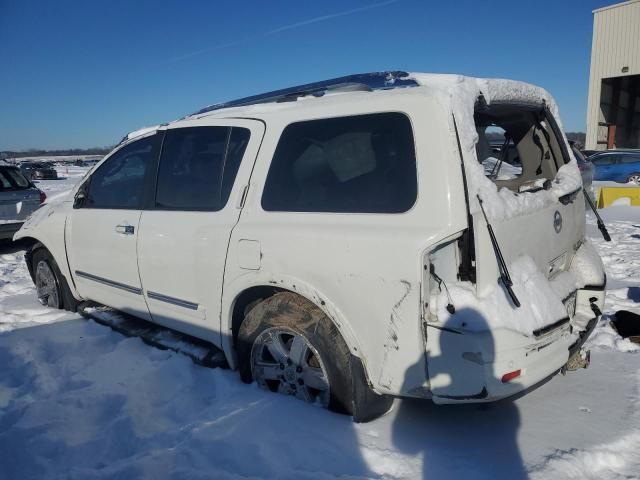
616	44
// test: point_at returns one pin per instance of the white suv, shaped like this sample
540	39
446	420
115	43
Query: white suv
346	241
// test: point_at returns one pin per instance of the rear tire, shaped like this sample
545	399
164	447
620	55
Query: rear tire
286	323
269	345
51	286
634	178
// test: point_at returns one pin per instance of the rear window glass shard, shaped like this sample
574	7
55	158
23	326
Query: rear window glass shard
355	164
517	145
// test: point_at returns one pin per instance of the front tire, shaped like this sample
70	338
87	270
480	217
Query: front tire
51	286
634	178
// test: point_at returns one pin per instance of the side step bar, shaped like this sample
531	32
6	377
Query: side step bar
199	351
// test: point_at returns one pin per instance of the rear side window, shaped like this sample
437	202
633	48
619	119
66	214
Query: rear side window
629	158
120	181
357	164
198	166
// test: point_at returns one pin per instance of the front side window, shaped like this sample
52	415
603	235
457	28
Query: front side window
198	166
120	181
604	160
357	164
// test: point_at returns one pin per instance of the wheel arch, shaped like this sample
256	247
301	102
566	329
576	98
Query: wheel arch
61	260
632	174
234	305
33	244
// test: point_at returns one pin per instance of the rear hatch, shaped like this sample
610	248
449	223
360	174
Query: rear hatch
18	197
536	225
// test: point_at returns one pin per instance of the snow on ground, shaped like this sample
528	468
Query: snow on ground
78	400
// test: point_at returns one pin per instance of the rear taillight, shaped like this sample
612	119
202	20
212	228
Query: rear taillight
507	377
43	196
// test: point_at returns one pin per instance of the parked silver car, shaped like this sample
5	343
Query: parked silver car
18	199
38	171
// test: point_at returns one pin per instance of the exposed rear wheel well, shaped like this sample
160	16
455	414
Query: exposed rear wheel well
247	300
349	387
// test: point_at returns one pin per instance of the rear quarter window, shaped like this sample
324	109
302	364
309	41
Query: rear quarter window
355	164
16	177
5	184
12	179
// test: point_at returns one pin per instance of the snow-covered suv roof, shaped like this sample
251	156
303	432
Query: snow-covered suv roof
458	91
353	86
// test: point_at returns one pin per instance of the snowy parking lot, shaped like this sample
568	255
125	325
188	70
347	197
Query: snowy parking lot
78	400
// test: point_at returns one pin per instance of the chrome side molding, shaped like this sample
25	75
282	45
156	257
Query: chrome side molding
172	300
111	283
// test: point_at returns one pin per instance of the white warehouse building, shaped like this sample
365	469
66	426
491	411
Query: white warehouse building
613	114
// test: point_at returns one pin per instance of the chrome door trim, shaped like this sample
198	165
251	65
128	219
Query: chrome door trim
172	300
110	283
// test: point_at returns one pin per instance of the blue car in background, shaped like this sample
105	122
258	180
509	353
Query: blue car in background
620	166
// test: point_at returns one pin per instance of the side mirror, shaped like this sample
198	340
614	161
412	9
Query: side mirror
79	199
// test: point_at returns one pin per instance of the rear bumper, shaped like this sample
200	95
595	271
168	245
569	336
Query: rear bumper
471	365
485	357
7	230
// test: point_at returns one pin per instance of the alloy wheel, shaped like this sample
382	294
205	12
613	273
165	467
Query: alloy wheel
284	361
47	285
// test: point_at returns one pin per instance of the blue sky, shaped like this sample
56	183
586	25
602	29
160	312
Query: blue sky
84	73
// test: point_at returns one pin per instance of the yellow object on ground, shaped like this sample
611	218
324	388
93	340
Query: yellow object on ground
608	195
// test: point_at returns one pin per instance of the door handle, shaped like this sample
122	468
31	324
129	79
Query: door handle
125	229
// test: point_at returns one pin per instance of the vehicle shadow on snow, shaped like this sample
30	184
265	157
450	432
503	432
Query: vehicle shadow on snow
81	401
465	440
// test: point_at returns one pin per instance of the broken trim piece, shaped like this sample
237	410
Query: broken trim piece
541	331
476	396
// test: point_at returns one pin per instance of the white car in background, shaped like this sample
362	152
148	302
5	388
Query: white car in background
340	242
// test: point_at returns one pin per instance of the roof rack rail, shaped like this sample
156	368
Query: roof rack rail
357	82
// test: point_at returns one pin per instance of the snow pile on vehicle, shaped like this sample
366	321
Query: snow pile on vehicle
587	265
541	301
460	93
